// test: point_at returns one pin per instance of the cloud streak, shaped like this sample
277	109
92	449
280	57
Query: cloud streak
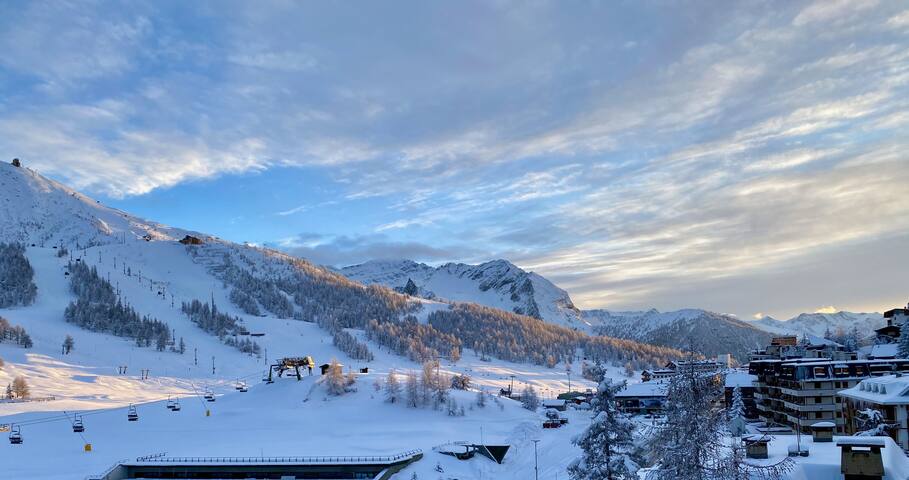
631	152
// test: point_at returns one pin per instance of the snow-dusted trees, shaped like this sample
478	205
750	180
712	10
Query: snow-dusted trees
249	289
409	338
871	423
460	381
16	274
349	344
68	344
529	398
903	347
14	333
98	309
244	301
737	413
335	380
607	442
220	324
691	445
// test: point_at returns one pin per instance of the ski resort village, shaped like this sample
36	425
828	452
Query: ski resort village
410	240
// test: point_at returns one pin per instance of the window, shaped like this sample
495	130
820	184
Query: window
818	415
817	399
820	372
817	385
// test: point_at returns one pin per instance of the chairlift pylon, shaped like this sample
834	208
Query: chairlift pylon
132	415
78	426
15	435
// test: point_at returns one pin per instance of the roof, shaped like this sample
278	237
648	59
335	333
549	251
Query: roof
861	441
884	350
554	402
885	390
896	311
644	389
740	379
823	425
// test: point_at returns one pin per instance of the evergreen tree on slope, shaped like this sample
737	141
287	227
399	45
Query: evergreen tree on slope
607	441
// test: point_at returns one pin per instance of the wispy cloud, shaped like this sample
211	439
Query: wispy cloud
629	166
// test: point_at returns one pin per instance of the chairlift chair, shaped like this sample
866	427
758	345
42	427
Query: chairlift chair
132	415
170	404
209	396
15	435
242	387
78	426
176	407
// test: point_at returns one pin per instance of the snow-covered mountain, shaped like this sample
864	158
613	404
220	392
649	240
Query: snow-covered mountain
820	323
699	330
498	284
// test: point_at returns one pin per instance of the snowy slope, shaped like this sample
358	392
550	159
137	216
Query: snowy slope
498	284
819	323
702	331
162	274
35	209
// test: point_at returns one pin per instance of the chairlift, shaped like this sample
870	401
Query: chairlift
132	415
170	404
78	426
15	435
241	386
176	406
209	396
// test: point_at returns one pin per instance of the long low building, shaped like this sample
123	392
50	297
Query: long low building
642	398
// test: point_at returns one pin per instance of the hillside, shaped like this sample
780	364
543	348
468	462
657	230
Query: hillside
498	284
702	331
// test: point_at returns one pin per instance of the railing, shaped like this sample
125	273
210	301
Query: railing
287	460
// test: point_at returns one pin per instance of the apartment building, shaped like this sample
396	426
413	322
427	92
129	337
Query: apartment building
797	393
889	395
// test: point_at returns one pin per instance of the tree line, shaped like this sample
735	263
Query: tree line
17	286
220	324
98	308
15	334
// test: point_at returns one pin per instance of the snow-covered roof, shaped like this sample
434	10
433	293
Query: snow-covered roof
556	403
815	341
740	379
886	390
878	441
644	389
823	425
886	350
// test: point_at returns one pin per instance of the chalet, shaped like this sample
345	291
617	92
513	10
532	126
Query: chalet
642	398
560	405
891	332
17	163
191	240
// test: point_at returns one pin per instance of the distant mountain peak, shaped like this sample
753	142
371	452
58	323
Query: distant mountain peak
497	283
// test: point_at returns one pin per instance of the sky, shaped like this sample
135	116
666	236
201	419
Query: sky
750	159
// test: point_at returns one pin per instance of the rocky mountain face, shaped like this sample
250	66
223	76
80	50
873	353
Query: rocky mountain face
499	284
705	332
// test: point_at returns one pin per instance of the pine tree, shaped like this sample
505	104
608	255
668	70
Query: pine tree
481	398
903	347
9	391
182	348
737	413
606	443
68	344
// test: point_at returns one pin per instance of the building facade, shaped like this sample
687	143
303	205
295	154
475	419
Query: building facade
797	393
889	395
